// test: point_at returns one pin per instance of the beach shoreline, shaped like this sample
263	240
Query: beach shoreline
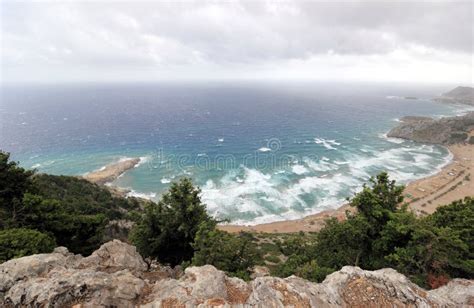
452	182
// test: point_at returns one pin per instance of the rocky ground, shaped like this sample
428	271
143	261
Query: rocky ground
116	276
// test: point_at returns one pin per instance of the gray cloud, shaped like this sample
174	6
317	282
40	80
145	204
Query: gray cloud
193	37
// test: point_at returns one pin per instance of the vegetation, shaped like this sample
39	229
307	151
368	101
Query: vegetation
168	228
15	243
70	211
235	254
430	250
39	211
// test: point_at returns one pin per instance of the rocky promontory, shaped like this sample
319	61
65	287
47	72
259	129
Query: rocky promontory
111	172
116	276
445	131
459	95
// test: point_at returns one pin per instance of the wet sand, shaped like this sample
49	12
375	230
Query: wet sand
455	181
112	171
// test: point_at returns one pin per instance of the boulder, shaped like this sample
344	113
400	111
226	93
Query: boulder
114	256
116	276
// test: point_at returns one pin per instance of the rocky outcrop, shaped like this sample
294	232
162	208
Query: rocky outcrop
111	172
459	95
445	131
116	275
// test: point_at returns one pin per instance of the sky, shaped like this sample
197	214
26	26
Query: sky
374	41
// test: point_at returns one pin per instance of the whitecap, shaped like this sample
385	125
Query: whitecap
165	181
220	139
142	195
264	149
143	159
391	139
325	143
299	169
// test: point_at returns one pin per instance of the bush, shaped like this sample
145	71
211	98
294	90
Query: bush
383	233
82	197
14	182
167	230
272	259
15	243
235	254
70	209
312	271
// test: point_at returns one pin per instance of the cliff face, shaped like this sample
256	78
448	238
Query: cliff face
116	275
459	95
441	131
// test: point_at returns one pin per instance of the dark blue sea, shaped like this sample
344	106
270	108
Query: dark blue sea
259	151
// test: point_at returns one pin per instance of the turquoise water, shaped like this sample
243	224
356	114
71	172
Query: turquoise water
260	152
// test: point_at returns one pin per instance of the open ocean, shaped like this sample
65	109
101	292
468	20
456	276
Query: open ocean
260	152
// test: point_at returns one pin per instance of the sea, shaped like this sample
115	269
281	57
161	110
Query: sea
259	151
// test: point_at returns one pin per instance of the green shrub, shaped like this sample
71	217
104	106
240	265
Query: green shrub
15	243
167	230
272	259
235	254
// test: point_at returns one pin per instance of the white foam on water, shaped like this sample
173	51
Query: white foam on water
148	196
165	181
264	149
143	160
328	144
249	193
323	165
220	139
391	139
299	169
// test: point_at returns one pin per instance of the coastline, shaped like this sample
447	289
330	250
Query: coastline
452	182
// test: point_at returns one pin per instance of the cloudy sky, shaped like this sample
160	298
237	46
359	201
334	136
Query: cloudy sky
145	41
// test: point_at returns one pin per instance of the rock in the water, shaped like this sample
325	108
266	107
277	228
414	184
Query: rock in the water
116	275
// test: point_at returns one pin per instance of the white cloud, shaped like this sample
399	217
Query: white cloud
142	40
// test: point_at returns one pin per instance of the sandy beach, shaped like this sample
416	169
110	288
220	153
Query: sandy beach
455	181
111	172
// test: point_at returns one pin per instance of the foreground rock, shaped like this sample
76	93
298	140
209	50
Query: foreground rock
440	131
112	171
459	95
116	275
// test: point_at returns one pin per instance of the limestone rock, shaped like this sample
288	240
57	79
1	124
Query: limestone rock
16	270
113	256
260	271
116	275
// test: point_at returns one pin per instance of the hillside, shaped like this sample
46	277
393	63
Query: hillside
459	95
116	275
445	131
